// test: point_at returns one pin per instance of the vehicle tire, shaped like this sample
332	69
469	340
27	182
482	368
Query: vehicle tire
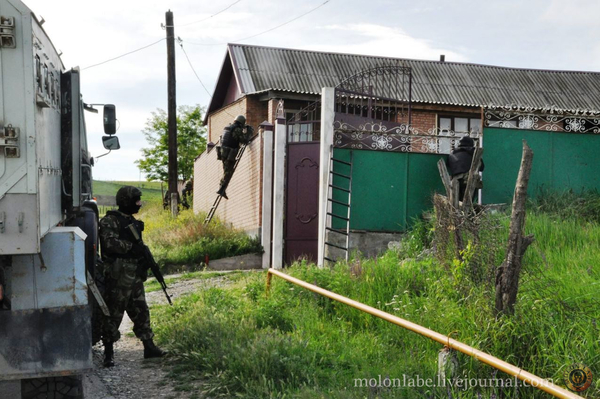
52	388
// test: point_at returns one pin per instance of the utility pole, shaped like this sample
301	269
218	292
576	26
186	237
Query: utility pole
172	112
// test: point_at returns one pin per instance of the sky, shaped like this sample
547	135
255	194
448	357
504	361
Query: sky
543	34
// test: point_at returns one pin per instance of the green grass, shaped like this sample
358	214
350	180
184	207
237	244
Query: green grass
184	242
153	285
298	344
568	204
151	190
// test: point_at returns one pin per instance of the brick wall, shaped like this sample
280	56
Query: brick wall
422	120
218	120
243	209
254	110
272	110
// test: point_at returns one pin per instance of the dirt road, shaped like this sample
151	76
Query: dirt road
133	377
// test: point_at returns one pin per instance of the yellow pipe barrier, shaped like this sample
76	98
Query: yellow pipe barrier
508	368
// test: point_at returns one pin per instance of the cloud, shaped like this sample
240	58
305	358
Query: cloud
372	39
578	13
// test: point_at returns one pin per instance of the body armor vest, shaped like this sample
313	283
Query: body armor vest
124	232
227	139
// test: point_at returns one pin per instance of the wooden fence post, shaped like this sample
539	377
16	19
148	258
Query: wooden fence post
507	275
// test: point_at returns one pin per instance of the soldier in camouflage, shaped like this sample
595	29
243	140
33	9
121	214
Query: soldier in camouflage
125	273
187	192
233	135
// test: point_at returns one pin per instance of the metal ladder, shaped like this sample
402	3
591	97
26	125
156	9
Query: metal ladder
330	201
215	205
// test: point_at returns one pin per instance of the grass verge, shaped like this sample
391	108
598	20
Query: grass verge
184	242
297	344
151	190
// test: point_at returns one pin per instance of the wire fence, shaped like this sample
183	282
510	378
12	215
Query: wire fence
470	245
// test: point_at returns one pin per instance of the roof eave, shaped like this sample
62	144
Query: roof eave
221	81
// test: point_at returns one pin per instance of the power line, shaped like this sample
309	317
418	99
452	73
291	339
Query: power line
202	20
287	22
193	70
198	77
266	31
123	55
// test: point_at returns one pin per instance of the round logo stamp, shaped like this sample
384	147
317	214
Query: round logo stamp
578	377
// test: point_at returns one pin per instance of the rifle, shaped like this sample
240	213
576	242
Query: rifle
150	261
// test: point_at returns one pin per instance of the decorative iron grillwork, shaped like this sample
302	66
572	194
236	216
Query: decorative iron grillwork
381	93
551	119
390	82
377	136
305	125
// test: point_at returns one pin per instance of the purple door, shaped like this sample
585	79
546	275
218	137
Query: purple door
302	202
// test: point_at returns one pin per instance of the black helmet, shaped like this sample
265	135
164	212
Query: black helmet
126	198
241	119
466	142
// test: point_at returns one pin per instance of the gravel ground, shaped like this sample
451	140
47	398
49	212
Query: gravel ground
133	377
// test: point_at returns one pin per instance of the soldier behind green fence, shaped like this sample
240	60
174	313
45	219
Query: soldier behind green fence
233	135
125	273
459	163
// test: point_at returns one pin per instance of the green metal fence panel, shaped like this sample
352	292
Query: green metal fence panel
388	188
378	190
561	161
502	158
423	181
576	162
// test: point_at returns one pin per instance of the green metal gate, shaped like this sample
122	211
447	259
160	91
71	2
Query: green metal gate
389	189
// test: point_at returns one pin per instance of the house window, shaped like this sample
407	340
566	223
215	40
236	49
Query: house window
45	82
301	127
459	125
38	74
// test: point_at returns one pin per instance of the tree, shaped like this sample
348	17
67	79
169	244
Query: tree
191	141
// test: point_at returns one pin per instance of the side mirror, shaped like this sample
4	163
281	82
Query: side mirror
110	119
111	142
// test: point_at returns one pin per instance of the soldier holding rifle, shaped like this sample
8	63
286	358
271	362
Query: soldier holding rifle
126	263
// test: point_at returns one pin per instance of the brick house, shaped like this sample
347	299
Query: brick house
497	105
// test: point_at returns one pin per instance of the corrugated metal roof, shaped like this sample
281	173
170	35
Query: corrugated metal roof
267	68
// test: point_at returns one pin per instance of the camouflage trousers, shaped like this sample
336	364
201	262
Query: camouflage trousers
129	297
227	172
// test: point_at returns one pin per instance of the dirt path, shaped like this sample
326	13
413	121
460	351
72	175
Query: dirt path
133	377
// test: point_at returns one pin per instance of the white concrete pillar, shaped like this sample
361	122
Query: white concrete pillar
267	192
327	120
279	187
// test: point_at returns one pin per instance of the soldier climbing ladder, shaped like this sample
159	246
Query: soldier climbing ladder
217	201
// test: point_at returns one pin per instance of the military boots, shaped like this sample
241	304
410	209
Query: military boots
151	350
222	193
